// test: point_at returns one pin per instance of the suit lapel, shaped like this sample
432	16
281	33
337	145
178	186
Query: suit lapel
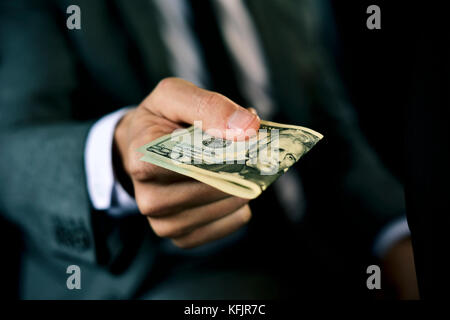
102	46
285	42
142	20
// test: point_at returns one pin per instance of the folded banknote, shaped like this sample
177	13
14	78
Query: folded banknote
243	168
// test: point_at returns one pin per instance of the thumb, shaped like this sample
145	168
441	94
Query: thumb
182	102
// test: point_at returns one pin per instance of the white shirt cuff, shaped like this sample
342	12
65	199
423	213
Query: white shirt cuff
389	235
105	191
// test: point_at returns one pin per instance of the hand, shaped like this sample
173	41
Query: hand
185	210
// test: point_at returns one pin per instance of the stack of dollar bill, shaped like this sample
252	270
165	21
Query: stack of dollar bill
242	168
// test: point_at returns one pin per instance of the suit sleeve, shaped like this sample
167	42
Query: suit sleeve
42	175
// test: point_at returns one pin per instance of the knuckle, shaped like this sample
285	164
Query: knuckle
148	205
165	84
143	204
245	215
159	91
139	170
180	229
161	229
182	244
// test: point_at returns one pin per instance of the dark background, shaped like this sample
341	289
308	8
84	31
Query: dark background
397	80
377	68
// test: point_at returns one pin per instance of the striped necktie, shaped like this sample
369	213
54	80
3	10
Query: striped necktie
216	55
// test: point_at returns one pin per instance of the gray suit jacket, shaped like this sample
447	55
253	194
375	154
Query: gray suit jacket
55	83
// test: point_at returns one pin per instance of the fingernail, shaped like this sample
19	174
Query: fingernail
240	119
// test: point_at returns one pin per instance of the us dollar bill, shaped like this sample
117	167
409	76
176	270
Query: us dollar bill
242	168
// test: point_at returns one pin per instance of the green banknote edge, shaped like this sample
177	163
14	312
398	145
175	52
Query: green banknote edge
229	184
